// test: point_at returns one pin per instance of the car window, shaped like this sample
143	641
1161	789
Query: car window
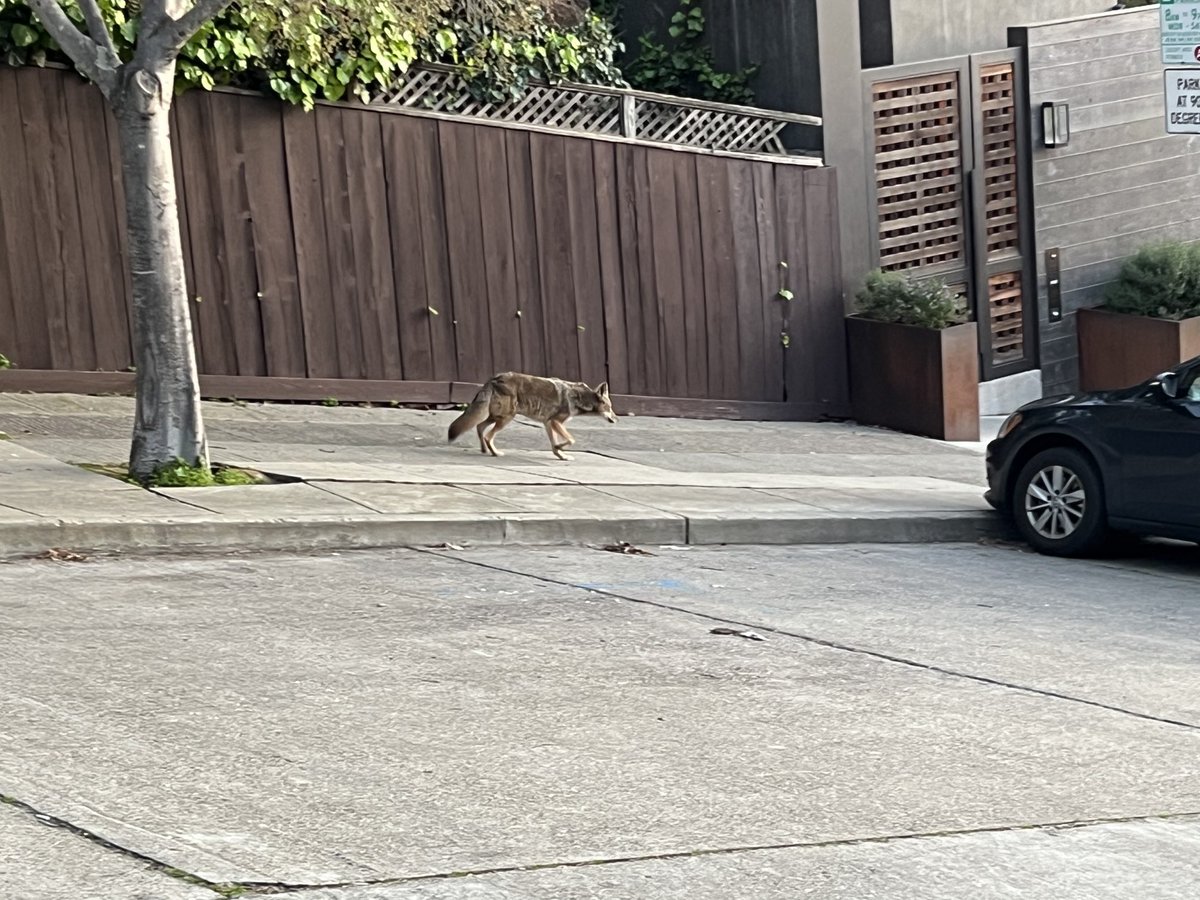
1193	386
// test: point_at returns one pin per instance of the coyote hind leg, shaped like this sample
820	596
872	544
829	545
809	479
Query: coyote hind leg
491	437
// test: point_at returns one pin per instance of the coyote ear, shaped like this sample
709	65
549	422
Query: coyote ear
603	389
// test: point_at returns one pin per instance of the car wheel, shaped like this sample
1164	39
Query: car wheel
1058	503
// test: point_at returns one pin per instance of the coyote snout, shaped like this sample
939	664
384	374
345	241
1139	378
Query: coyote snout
550	401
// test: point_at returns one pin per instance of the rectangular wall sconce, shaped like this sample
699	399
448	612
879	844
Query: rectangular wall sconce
1056	123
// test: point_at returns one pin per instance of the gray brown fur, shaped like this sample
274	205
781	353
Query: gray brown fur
550	401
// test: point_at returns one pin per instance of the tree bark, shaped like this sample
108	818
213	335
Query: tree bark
168	424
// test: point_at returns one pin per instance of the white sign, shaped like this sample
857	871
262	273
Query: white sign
1180	24
1183	101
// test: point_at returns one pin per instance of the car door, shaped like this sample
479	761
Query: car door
1157	439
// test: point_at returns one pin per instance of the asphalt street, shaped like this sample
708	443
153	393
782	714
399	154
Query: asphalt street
745	722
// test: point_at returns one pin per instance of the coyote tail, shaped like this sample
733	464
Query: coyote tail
474	414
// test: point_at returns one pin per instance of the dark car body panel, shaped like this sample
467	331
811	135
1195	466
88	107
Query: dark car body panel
1145	444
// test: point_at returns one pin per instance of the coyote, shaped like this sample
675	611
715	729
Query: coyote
550	401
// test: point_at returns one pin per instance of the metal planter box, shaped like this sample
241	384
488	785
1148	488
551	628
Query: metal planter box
1119	351
918	380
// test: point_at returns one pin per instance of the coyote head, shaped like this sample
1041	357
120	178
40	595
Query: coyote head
604	403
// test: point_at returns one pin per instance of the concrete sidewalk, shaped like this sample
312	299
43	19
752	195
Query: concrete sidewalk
359	477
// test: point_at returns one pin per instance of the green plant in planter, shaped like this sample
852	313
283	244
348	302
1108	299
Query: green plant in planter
905	300
1161	281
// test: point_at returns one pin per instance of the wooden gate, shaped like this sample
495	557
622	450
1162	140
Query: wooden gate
950	191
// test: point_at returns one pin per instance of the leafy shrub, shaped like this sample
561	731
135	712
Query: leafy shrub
893	297
1161	281
684	66
310	50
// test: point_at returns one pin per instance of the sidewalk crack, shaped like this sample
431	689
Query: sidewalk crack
835	645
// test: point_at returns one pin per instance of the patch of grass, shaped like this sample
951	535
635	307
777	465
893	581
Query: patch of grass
5	362
180	474
330	401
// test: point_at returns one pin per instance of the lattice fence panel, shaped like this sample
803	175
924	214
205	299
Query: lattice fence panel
575	108
918	171
1007	310
446	92
999	127
671	124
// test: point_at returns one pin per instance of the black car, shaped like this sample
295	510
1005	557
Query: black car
1071	469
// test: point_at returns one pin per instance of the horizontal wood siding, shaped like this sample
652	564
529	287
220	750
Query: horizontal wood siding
1122	181
369	247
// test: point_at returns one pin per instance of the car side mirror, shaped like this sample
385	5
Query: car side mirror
1168	383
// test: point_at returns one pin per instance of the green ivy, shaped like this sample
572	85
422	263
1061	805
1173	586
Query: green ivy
308	51
684	66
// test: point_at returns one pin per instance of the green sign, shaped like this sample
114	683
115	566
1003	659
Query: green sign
1180	23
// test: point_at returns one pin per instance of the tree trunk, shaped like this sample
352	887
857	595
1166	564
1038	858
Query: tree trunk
168	426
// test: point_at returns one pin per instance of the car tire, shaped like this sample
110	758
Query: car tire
1058	504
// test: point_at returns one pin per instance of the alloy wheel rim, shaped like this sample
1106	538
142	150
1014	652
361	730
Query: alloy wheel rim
1055	502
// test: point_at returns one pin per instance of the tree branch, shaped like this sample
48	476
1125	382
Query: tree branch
91	58
96	27
166	38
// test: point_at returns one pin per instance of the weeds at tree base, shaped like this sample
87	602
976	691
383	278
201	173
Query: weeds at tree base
180	474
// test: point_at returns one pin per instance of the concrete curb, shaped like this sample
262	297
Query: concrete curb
220	535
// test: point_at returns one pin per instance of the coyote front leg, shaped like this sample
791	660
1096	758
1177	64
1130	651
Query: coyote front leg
552	431
561	428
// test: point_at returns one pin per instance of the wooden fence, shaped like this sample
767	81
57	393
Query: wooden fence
372	254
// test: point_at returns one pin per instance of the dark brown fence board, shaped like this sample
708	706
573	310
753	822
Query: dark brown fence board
312	258
401	144
32	343
236	255
668	274
554	251
720	277
800	360
691	259
321	242
271	229
499	265
103	265
585	259
339	233
752	371
68	317
215	349
185	235
464	235
372	246
769	275
117	180
431	221
631	268
650	346
608	234
523	218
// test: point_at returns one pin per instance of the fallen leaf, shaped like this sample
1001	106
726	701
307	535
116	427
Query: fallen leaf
445	545
627	548
737	632
58	554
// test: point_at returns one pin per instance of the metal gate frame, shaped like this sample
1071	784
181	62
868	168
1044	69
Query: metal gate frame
963	153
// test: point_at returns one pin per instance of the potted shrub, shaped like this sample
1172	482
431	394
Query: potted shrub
1150	321
914	358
